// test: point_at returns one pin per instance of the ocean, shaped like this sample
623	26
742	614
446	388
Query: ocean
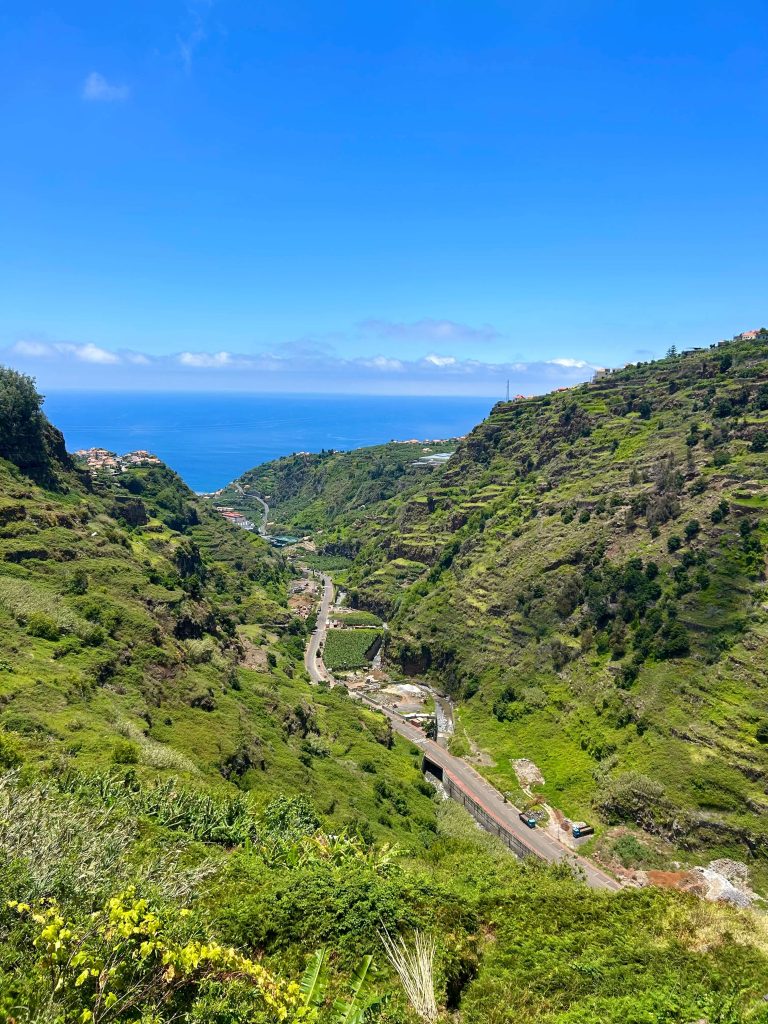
209	439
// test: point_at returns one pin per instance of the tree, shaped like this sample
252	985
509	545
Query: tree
21	419
720	511
692	529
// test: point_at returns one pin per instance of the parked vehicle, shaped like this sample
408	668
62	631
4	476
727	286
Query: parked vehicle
527	819
581	828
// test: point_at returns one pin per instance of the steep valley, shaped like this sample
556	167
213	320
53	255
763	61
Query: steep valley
191	831
586	577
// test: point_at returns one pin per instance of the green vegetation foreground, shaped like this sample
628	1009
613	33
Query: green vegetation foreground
189	831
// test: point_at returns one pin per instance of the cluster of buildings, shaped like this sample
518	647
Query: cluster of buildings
109	462
433	440
235	517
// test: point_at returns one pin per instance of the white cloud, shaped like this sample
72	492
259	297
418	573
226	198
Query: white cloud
93	354
87	353
36	349
303	365
381	363
206	360
568	363
196	32
97	89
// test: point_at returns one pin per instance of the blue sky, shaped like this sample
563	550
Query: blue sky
423	197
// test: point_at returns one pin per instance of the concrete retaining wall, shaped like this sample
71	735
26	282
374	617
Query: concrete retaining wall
481	816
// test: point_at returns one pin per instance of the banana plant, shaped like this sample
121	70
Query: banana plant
314	982
361	1004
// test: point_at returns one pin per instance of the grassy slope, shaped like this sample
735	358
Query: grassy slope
131	640
505	578
140	653
318	491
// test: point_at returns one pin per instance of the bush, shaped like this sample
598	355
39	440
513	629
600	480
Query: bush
68	645
672	641
631	796
692	529
721	510
43	626
125	752
9	755
674	543
158	967
79	583
634	854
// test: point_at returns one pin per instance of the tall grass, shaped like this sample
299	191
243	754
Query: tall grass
225	820
73	851
415	966
24	599
154	754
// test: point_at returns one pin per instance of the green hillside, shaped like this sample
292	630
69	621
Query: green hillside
191	832
138	628
587	577
308	492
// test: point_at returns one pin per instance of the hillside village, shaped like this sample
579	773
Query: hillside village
105	461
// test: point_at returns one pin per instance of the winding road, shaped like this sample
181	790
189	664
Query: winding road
264	505
315	665
460	773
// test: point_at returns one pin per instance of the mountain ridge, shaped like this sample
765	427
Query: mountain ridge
586	577
180	804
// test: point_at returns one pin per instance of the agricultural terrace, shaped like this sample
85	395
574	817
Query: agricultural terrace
350	648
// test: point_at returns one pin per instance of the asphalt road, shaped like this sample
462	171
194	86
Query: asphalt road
264	505
314	665
462	774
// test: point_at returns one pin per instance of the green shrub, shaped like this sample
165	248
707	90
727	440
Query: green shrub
720	511
692	529
43	626
9	753
634	854
125	752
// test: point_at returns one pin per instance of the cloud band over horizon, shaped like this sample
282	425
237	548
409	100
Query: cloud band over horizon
299	367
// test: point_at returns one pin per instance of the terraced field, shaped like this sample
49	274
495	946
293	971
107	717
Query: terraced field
350	648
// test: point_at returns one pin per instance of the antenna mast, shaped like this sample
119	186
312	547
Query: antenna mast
507	390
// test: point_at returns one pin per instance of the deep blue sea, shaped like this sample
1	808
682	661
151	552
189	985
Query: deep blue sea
209	439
